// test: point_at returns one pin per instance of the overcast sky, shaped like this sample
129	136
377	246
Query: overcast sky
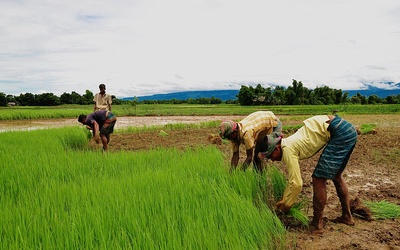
141	47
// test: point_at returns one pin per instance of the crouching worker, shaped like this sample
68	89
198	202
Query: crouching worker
339	138
101	123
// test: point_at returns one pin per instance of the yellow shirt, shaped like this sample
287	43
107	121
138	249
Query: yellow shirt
253	127
102	102
303	144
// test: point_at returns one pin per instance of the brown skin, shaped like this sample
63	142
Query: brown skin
105	139
320	197
235	156
102	93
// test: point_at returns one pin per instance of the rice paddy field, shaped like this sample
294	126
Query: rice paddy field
168	187
55	193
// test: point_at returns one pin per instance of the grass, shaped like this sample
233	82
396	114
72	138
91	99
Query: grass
57	194
73	111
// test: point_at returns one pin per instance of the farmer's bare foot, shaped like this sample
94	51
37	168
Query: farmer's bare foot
344	220
316	227
316	230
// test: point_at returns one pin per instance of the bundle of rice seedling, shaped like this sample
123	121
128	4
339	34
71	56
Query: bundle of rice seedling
279	183
383	210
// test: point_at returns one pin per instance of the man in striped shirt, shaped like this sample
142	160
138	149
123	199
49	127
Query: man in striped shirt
339	138
247	132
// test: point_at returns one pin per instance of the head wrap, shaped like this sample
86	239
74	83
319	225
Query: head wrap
271	140
226	128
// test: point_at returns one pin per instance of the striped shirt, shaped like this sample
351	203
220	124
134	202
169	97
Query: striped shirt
254	127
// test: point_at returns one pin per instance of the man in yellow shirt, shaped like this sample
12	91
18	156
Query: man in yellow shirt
102	101
339	138
247	132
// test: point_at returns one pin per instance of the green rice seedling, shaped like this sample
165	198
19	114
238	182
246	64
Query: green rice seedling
383	210
298	215
279	183
57	195
72	111
367	128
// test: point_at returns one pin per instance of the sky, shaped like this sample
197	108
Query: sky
144	47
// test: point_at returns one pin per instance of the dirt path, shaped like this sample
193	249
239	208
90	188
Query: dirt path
372	173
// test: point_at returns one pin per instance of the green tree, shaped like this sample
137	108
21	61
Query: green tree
337	93
373	99
278	96
47	99
324	95
3	99
88	97
65	98
246	96
391	99
363	99
27	99
76	98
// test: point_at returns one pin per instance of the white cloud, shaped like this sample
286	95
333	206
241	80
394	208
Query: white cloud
154	46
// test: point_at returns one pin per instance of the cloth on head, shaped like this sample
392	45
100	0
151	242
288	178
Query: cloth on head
272	141
226	128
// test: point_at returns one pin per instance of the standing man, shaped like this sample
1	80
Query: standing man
339	138
247	132
101	123
102	101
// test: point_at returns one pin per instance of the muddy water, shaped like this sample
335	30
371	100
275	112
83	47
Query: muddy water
130	121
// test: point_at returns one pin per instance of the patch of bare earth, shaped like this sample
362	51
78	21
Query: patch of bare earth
372	174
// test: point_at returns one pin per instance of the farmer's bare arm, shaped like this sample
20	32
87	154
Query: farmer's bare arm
235	159
249	157
96	130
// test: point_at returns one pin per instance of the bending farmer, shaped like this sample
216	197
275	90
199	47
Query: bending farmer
247	132
101	123
339	138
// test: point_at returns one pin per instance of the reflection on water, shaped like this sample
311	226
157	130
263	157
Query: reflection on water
130	121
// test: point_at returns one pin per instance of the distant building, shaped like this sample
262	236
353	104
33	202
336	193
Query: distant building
11	104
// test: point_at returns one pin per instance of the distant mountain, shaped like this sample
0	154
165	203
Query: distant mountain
371	90
221	94
231	94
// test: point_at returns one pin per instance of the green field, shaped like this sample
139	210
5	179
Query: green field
72	111
57	194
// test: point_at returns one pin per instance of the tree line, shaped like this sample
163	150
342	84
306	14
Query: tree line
296	94
47	99
50	99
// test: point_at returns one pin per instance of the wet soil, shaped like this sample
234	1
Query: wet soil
372	174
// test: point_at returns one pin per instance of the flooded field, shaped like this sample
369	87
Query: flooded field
121	122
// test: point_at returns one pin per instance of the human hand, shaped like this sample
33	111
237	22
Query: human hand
262	155
281	206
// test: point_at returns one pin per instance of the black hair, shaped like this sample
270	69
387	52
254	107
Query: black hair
262	144
81	118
